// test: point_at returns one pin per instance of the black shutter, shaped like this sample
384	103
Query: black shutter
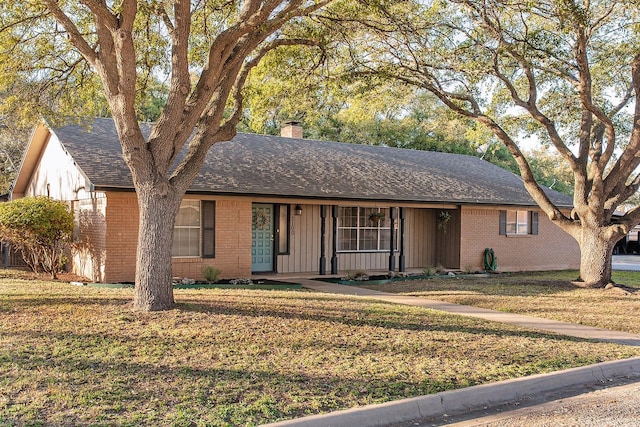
208	229
534	222
503	223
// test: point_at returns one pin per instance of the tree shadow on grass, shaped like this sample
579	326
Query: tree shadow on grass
489	287
431	321
120	387
40	301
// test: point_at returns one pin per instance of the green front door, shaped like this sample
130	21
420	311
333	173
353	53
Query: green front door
261	237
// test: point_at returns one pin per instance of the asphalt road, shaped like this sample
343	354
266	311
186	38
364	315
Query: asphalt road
626	263
616	404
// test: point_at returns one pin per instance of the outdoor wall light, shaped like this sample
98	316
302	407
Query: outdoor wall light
298	210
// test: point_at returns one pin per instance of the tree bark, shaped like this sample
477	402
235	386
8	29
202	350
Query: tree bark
596	249
153	282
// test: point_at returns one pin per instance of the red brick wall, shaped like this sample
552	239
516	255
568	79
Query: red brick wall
122	237
233	244
233	241
89	248
551	249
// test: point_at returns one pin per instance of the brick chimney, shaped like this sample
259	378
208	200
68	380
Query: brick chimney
291	129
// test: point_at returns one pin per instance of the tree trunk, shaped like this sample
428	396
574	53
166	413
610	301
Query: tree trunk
596	249
153	286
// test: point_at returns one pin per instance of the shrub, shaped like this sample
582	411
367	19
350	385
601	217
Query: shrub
211	273
40	228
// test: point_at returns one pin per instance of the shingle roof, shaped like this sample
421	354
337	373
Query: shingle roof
275	166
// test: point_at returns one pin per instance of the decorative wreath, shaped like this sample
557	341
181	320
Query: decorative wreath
260	219
443	219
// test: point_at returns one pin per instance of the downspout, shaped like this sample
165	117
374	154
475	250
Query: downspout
323	237
392	258
334	244
402	268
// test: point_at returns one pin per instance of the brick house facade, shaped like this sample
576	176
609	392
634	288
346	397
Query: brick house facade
288	205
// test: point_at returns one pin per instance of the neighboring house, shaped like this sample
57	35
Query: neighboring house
291	205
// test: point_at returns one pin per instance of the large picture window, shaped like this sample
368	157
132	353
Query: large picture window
365	229
193	233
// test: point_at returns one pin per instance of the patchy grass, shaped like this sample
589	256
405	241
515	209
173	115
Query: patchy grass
542	294
79	355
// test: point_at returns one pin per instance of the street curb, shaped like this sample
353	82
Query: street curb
468	399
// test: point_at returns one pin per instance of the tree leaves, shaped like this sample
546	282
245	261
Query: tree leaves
40	228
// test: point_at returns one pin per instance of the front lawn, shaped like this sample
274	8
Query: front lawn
542	294
79	356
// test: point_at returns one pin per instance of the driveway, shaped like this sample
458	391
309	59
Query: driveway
626	262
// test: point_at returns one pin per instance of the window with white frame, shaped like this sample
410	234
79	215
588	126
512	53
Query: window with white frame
194	231
186	233
365	229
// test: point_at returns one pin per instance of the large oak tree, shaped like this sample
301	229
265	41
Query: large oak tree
566	72
113	49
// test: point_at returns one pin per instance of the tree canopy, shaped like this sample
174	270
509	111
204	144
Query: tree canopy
331	105
67	57
565	72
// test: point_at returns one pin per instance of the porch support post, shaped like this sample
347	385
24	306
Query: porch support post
392	258
402	230
323	237
334	243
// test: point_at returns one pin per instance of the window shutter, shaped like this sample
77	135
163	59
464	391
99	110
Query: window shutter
503	223
534	222
208	228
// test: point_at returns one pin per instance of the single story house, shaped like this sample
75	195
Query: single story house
284	204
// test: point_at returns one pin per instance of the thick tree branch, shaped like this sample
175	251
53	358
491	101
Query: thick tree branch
449	99
102	14
165	135
229	50
629	160
604	129
630	220
208	133
74	34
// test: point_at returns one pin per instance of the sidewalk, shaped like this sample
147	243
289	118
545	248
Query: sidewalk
546	325
407	411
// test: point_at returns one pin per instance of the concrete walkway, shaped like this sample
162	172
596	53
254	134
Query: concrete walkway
546	325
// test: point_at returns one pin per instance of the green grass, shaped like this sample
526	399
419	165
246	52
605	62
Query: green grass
542	294
80	356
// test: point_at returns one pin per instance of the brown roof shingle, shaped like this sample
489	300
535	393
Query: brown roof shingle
253	164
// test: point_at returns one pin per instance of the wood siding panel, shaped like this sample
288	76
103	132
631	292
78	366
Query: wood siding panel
448	241
426	244
304	243
419	241
364	261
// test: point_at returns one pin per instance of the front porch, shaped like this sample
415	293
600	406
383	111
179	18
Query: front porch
312	276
